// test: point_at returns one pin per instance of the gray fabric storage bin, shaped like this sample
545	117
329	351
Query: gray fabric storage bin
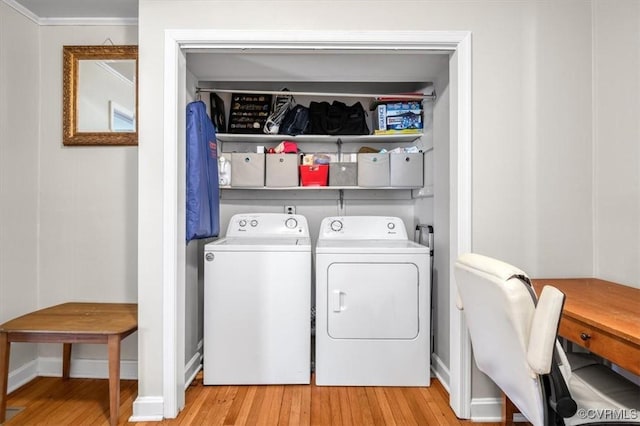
406	170
343	174
373	170
247	169
282	170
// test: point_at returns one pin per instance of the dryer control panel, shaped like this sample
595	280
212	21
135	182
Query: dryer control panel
363	228
268	225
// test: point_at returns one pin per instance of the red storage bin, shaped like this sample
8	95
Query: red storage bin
316	175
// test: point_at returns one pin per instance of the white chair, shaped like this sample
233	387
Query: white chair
514	340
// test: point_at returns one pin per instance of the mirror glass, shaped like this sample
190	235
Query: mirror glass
106	95
100	95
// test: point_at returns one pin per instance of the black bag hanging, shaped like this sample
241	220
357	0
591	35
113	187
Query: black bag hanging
354	120
318	112
296	122
217	113
338	118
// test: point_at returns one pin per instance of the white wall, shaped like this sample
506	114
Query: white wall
68	216
616	148
532	132
429	211
532	136
194	286
19	175
87	200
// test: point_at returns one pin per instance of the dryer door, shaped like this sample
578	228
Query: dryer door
372	300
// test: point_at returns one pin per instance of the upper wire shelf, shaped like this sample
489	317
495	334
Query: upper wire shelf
394	96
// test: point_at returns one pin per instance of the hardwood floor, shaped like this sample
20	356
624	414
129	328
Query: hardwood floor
48	400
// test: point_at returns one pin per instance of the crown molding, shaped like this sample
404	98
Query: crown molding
22	10
68	21
87	21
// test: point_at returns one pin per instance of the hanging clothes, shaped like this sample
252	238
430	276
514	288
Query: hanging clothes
202	197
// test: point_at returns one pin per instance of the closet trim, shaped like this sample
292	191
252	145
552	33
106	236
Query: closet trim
177	42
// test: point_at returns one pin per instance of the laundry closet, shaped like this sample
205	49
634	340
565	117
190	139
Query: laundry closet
347	76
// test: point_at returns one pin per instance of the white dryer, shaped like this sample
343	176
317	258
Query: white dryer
257	297
372	304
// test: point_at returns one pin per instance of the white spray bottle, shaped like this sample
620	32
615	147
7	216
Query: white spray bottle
224	171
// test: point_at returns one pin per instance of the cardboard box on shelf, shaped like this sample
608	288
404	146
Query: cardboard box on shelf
398	117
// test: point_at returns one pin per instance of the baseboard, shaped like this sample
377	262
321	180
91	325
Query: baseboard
193	366
147	409
486	409
86	368
440	370
489	410
22	375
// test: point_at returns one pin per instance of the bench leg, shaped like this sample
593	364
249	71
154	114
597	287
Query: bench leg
114	378
66	360
4	373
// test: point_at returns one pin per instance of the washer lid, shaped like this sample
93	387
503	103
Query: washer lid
370	246
259	244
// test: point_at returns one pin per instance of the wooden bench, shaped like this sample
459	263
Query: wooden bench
70	323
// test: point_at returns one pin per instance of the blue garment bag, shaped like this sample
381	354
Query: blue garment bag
203	204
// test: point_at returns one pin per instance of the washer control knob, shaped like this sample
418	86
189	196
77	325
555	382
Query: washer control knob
242	223
291	223
391	225
336	225
254	223
209	257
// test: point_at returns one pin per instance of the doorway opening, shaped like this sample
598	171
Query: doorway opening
179	43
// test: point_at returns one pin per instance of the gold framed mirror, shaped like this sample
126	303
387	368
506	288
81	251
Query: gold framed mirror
100	95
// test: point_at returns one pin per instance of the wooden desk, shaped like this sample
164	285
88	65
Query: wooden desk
72	323
601	316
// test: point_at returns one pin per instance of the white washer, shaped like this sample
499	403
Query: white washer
257	297
372	304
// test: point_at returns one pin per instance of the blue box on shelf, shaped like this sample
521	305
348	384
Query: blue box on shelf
398	117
